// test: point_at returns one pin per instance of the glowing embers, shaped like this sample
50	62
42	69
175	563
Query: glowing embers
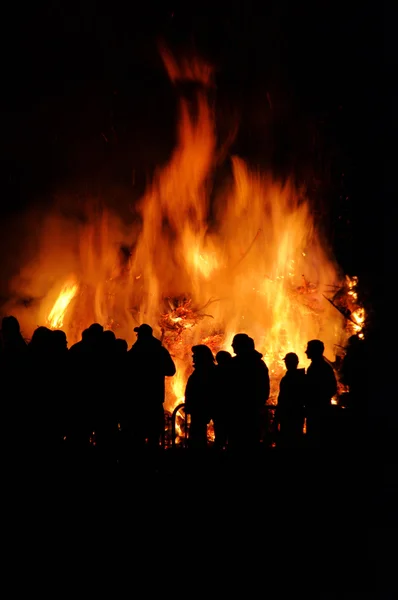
358	313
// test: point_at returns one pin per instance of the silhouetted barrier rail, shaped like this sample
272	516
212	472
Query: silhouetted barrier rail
269	414
269	432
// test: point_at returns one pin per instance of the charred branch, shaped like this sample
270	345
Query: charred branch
342	310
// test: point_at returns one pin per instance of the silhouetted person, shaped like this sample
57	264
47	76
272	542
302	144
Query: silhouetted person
148	364
354	373
96	330
82	345
11	341
59	342
321	387
123	401
45	406
91	341
41	343
13	354
14	389
223	358
85	358
77	408
290	410
121	347
61	372
222	397
250	391
108	340
104	405
199	395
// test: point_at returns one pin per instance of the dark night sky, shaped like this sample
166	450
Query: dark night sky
72	70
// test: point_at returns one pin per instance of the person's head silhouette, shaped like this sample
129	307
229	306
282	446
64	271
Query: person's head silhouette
291	361
42	339
108	337
144	331
121	345
94	332
60	341
353	342
315	349
242	343
10	326
202	356
223	357
96	328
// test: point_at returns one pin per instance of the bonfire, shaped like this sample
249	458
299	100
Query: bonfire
198	268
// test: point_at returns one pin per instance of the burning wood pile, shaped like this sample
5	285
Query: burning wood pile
180	316
178	327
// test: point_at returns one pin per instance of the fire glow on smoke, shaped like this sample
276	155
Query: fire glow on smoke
257	266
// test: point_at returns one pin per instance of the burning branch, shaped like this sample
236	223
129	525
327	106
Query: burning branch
210	301
342	309
345	300
308	287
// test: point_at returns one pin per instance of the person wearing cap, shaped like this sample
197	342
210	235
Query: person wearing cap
149	362
290	410
143	331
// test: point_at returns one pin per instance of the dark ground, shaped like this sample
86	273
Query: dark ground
330	519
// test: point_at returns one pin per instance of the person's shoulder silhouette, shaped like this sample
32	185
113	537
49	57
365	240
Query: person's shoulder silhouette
148	350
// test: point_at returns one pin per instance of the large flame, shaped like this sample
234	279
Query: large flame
57	313
201	268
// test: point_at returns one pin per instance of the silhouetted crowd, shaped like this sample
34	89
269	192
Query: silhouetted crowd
100	393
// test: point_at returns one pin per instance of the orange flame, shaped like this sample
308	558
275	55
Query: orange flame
56	316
